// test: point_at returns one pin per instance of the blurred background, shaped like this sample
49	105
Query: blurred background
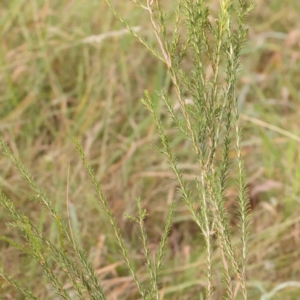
68	69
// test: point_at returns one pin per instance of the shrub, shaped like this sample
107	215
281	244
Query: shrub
208	120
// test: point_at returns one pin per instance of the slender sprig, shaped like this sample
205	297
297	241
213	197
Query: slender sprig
27	294
103	201
83	273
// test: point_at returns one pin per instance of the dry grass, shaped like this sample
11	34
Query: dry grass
54	85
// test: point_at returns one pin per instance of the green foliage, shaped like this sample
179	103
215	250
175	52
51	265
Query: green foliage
208	120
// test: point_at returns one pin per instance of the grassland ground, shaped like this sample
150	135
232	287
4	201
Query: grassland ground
68	69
